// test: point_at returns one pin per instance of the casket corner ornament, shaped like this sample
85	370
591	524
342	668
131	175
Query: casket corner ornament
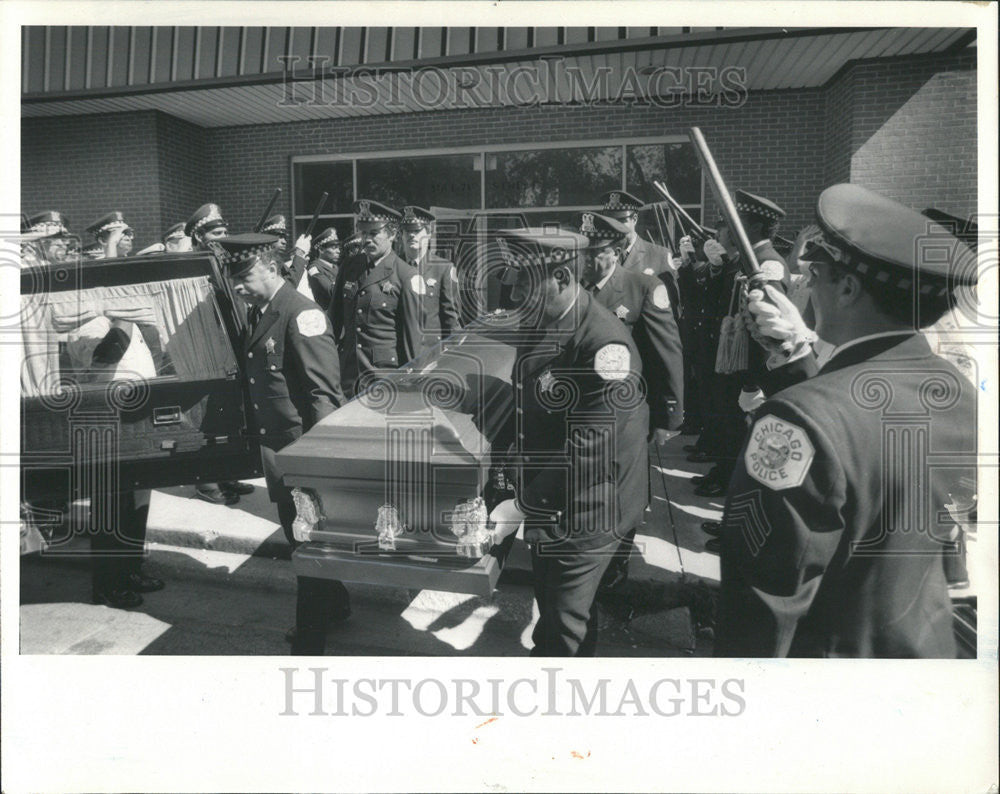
468	523
308	514
388	527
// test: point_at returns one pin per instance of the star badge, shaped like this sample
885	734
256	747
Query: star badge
546	381
622	312
269	344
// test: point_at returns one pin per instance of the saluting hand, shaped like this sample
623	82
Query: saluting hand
303	244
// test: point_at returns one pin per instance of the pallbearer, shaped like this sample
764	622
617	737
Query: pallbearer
376	306
440	317
293	377
580	424
641	302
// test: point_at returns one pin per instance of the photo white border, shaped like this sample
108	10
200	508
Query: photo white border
203	724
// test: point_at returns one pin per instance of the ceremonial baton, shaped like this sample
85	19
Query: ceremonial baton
316	212
269	210
681	213
748	259
670	509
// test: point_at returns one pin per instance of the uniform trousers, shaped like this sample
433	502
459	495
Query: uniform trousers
565	587
117	545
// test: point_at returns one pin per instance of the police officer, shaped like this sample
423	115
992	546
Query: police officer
376	305
642	304
205	225
294	266
293	378
835	523
113	233
175	240
440	316
322	271
47	238
581	428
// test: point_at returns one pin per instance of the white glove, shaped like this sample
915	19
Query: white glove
686	248
778	326
714	252
303	244
506	518
750	401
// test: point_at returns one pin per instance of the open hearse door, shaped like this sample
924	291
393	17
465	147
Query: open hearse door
130	377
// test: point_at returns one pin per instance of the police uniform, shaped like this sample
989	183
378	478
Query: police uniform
439	316
46	225
581	428
643	256
834	533
102	227
376	308
322	271
292	375
642	303
207	218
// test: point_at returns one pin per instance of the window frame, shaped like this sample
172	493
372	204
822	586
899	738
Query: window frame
481	151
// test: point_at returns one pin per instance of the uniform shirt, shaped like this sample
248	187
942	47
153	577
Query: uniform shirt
322	276
581	428
835	520
376	313
439	317
292	370
642	303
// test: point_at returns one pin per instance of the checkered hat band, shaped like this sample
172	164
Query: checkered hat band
876	274
207	220
756	209
275	227
47	226
248	255
112	225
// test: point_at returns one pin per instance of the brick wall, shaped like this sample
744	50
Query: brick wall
913	135
904	126
769	146
86	166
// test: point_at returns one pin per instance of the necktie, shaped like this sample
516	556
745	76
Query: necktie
254	317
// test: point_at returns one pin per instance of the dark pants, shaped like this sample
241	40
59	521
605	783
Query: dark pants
565	587
117	545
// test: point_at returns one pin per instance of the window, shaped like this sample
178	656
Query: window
550	182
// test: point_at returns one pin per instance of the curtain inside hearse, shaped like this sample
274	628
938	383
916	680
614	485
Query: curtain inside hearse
178	319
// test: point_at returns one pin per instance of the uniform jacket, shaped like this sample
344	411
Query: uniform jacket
321	277
830	546
291	368
581	435
654	260
439	316
376	313
643	304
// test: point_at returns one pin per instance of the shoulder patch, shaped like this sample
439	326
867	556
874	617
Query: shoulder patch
661	299
778	453
313	270
772	270
417	284
612	362
311	322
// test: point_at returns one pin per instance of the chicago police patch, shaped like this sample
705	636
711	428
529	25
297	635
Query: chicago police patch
612	362
311	322
661	300
778	453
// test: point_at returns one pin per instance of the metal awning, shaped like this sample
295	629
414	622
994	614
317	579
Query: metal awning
228	84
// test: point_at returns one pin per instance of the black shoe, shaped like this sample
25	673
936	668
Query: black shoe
712	476
713	545
238	488
700	457
690	447
217	496
713	528
119	598
141	583
710	489
690	430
